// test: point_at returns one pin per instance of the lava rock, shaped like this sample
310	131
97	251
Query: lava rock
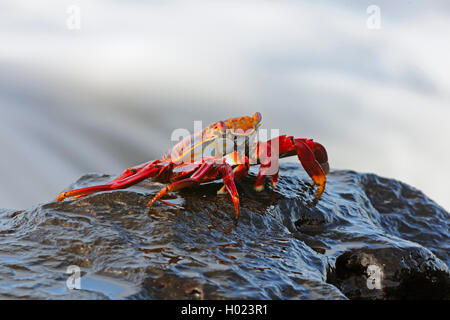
367	238
391	273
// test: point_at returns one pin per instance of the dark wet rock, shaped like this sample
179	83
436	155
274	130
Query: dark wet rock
403	273
367	238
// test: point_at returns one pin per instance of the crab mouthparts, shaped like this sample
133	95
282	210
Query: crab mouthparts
241	132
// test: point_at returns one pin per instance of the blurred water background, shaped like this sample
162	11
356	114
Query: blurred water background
108	95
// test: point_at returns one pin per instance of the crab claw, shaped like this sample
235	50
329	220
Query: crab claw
312	156
321	156
311	165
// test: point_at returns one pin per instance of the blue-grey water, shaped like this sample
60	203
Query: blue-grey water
108	95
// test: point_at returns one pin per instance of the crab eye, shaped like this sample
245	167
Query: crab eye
257	118
221	126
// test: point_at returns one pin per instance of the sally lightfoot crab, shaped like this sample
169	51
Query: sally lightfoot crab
223	150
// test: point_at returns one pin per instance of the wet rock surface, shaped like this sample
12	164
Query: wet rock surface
367	238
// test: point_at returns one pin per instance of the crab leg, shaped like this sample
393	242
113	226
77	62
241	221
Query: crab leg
206	172
267	169
239	171
127	178
131	171
269	164
194	179
228	180
127	175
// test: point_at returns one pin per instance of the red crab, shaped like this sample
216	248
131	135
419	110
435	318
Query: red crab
213	153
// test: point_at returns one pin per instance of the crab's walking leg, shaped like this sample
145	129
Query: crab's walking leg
265	170
194	179
228	180
207	171
128	173
126	179
132	171
269	165
238	172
